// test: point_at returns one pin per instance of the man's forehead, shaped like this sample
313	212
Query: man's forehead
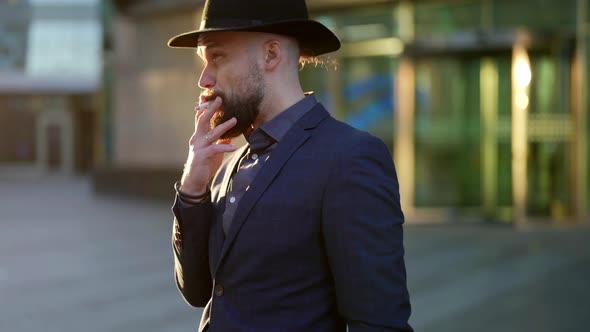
210	39
218	38
206	39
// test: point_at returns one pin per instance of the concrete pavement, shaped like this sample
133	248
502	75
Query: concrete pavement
71	261
491	278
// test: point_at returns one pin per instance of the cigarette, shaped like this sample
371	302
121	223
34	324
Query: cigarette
203	105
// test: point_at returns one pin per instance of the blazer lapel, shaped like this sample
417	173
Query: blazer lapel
294	138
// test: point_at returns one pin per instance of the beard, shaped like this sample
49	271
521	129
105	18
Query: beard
244	105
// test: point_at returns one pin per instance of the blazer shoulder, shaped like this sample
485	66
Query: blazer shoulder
346	138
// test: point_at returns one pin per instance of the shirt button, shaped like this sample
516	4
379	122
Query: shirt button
232	199
254	156
218	290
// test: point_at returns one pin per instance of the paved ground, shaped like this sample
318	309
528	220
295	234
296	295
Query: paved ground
70	261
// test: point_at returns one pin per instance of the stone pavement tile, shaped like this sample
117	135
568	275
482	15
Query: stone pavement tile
474	298
557	301
71	261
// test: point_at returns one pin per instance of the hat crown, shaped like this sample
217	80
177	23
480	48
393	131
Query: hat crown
281	17
223	12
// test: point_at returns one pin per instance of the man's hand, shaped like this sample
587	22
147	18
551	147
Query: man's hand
205	150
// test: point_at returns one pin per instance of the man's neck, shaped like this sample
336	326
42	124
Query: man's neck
275	103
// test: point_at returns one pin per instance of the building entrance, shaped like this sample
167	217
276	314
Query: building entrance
493	135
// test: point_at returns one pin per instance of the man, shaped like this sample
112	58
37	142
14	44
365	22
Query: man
300	229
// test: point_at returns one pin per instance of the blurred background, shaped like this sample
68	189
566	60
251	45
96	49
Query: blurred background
483	103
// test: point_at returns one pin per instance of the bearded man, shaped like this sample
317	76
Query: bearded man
301	228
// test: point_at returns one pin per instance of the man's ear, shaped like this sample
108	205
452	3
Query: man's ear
273	54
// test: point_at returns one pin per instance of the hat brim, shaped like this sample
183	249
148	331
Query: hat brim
313	37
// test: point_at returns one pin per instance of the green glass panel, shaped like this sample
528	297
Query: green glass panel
440	17
587	129
361	23
360	91
547	194
447	129
535	14
434	17
548	171
364	96
367	95
504	175
315	78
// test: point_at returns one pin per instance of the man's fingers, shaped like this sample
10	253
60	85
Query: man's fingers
221	148
198	113
210	151
203	122
214	149
214	134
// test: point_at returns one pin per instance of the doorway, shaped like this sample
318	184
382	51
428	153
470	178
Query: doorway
463	136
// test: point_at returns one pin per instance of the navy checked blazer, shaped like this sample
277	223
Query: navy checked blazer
316	243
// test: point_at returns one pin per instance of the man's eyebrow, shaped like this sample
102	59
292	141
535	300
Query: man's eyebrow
206	44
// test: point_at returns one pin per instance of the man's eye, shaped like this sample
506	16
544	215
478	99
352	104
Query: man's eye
215	58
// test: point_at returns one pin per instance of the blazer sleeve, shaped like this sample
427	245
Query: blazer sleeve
190	243
362	227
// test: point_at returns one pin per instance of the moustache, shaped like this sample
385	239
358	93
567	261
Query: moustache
210	96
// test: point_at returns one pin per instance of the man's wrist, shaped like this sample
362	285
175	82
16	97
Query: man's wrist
191	187
191	197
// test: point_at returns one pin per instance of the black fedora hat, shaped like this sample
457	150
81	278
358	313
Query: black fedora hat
284	17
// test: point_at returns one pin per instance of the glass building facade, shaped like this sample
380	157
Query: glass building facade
483	103
50	63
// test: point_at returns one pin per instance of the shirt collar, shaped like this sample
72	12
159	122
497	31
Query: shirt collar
276	128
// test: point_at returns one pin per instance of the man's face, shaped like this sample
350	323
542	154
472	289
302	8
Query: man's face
232	73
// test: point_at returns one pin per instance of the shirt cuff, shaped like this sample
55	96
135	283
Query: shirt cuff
187	202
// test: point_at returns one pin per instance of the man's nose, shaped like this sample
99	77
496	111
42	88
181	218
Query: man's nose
207	79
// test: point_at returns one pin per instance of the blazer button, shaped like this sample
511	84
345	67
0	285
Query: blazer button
218	290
